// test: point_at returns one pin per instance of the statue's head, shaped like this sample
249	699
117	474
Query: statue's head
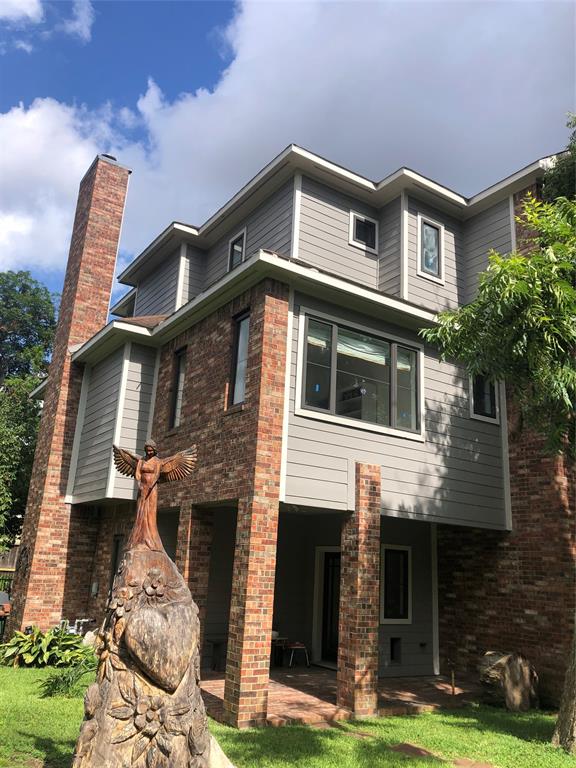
150	448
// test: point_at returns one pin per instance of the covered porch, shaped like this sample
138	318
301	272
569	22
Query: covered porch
308	696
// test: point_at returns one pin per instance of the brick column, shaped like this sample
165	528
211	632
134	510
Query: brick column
193	548
360	597
50	552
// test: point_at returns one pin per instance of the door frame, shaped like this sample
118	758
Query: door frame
318	605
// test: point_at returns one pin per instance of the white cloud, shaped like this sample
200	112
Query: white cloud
23	45
452	90
29	11
80	23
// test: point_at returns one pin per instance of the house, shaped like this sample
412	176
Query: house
353	491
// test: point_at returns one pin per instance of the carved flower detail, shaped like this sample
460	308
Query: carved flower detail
121	601
154	585
107	650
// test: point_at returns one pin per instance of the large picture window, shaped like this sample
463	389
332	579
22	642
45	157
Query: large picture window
395	585
356	375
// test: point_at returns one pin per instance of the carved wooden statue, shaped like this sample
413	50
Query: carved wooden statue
145	710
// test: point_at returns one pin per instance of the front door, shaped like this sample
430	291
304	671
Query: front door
330	606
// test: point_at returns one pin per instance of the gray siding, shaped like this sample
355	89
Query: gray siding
389	256
194	273
95	447
135	414
428	293
417	649
489	229
157	292
455	476
324	234
269	226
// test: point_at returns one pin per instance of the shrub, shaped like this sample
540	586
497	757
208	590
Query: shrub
55	648
63	682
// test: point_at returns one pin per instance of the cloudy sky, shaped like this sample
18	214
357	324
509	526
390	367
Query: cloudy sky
197	97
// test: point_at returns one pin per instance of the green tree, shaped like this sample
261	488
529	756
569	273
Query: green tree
521	328
27	324
560	180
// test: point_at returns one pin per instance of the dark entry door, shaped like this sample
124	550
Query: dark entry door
330	606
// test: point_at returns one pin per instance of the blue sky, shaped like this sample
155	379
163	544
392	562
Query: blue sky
197	96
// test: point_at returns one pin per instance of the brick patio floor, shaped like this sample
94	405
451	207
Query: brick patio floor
308	695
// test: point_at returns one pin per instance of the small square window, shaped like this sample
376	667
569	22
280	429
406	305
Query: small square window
363	232
484	403
236	250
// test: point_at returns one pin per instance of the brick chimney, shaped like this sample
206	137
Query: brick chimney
53	567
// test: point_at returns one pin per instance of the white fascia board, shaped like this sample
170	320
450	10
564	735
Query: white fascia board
521	176
39	390
428	184
337	170
115	328
174	227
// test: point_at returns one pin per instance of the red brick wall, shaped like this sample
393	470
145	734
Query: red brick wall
359	619
50	555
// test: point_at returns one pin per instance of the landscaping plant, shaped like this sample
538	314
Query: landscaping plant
54	648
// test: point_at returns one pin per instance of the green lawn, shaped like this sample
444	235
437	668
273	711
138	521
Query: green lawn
38	732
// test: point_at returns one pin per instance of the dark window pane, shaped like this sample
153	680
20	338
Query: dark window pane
484	397
241	360
406	393
363	377
318	365
236	251
365	232
430	256
178	390
317	392
396	586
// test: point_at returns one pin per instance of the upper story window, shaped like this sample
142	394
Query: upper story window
430	249
484	399
395	585
178	387
236	250
363	232
240	360
355	375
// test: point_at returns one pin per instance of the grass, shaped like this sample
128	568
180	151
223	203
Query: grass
37	732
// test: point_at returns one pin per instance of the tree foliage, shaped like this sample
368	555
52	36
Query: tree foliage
521	328
560	180
27	323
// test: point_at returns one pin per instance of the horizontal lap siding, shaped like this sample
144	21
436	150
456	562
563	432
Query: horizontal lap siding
157	293
95	448
389	248
454	476
136	411
269	227
490	229
194	273
324	234
428	293
417	637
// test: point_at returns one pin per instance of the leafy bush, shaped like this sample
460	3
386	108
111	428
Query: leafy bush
64	682
55	648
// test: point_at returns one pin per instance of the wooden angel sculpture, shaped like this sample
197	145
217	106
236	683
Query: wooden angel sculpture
146	708
149	470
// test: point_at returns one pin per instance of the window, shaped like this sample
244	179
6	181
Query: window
430	249
484	402
356	375
363	232
238	378
236	247
178	388
396	585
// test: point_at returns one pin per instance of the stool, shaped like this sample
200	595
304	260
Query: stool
296	646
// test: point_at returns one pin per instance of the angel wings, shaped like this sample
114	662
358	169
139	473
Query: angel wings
175	467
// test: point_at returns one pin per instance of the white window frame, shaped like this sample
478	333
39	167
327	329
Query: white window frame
240	233
300	410
358	243
422	219
405	548
479	416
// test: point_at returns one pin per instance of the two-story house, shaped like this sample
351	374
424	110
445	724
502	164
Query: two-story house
353	491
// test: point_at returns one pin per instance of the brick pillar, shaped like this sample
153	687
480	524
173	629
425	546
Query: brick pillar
360	597
49	552
252	600
193	548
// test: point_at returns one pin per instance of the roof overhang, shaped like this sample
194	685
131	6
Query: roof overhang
107	340
124	307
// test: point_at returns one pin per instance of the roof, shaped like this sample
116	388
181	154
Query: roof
295	159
